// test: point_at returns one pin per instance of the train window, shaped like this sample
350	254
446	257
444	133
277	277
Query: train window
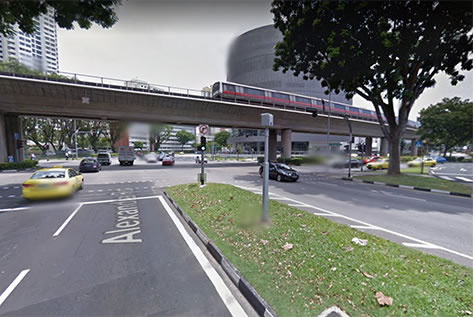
255	92
280	96
338	106
215	87
228	87
301	99
353	109
366	111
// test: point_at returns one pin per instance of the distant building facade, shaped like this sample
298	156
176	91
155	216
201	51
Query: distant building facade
38	51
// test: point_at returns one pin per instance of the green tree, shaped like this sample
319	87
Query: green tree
447	123
221	138
95	130
387	52
184	137
84	12
138	145
34	130
159	133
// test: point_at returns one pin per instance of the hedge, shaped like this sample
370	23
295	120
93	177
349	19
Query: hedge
18	165
292	161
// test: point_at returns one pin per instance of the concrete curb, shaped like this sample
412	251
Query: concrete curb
439	191
256	301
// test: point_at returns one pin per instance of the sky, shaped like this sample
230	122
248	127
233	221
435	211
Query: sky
185	43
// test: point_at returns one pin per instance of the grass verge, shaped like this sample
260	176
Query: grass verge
426	182
323	268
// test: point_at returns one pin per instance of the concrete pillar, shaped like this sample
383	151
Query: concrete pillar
369	146
384	147
3	139
286	142
272	145
413	148
14	132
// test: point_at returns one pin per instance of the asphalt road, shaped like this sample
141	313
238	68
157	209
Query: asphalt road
75	273
112	258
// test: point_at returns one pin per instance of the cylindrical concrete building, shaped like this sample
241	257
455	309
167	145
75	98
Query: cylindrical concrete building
250	63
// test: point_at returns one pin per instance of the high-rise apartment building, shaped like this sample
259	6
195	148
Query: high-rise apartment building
37	51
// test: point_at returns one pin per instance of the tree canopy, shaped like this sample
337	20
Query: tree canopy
159	133
221	138
387	52
184	137
447	123
84	12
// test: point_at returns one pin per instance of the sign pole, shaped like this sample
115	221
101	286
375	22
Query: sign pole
265	181
202	168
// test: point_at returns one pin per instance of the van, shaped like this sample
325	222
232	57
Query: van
104	158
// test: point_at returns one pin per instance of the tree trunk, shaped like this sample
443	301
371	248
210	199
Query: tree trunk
394	155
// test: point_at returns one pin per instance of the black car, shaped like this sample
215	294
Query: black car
280	172
344	164
89	164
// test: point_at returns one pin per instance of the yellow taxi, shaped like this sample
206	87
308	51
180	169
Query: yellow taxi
417	162
53	182
378	165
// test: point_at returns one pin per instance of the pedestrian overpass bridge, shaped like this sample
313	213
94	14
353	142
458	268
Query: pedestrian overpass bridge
99	98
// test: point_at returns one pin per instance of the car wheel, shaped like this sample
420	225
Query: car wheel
433	165
279	178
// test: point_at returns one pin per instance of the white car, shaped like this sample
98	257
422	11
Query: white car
151	158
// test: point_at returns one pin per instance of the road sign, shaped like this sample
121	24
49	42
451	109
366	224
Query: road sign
418	143
204	129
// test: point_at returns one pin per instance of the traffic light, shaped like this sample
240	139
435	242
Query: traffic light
203	143
360	147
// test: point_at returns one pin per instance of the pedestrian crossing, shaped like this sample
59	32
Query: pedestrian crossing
456	178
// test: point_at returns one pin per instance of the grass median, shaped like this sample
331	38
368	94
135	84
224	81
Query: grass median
419	181
323	267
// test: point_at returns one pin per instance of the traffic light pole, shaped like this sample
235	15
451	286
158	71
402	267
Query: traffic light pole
202	167
265	180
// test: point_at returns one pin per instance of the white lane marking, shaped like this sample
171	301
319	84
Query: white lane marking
145	187
464	179
90	191
114	200
363	227
13	209
109	189
6	187
228	299
419	245
299	205
325	215
11	196
12	286
334	214
446	178
16	187
65	223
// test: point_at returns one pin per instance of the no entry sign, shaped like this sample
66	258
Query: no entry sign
204	129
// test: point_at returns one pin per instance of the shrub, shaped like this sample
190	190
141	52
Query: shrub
455	158
18	165
292	161
407	158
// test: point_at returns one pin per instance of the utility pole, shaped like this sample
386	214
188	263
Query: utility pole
349	146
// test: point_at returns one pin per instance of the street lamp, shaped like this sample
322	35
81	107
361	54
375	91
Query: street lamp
267	121
349	146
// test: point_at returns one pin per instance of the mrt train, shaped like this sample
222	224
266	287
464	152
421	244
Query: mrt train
272	98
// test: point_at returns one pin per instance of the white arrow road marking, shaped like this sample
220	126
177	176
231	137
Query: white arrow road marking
446	178
468	180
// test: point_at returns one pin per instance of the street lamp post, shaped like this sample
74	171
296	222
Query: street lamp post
267	120
349	146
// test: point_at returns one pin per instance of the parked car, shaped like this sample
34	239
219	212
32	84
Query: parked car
439	159
344	163
378	165
370	159
160	156
89	164
417	162
104	158
280	172
168	160
52	183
